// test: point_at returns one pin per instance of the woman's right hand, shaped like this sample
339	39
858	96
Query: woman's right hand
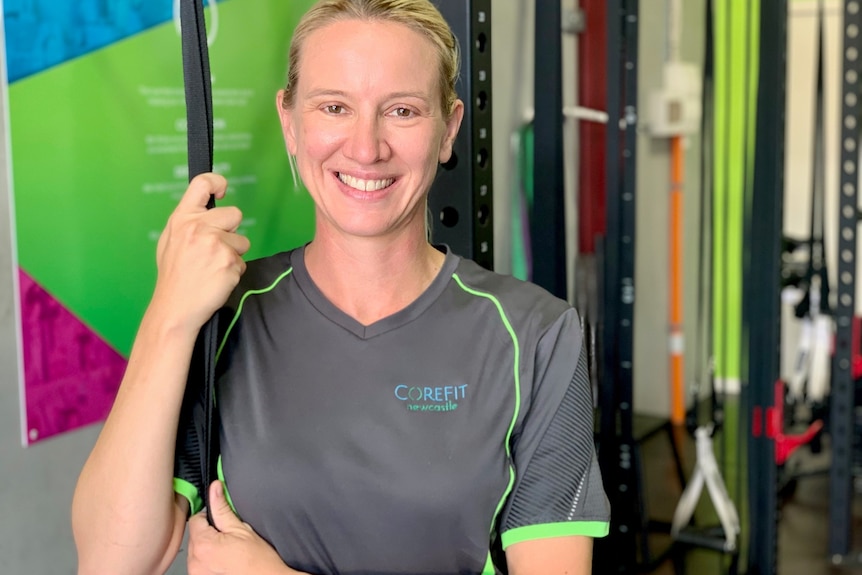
199	256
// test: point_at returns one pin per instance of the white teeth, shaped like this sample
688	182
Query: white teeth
365	185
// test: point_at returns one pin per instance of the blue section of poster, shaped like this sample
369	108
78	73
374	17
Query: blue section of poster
44	33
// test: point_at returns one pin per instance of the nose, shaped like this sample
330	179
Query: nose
366	143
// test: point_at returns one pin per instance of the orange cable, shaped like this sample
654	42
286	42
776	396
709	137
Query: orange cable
676	335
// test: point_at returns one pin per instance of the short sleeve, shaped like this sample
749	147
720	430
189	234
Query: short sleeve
558	486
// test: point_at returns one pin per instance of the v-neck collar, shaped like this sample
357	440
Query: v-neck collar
323	305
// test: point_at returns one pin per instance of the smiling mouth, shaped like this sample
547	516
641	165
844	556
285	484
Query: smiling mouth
364	185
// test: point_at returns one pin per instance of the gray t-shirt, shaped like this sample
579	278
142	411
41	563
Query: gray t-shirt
421	444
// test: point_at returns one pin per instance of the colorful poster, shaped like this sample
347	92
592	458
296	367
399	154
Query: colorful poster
98	161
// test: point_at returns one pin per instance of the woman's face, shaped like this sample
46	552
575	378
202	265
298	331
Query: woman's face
366	126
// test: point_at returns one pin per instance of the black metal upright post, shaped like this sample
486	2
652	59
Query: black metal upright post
607	249
762	290
547	220
843	400
461	196
618	552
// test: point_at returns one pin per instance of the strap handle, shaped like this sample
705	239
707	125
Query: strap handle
198	90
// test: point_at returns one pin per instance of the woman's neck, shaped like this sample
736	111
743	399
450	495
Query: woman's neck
372	278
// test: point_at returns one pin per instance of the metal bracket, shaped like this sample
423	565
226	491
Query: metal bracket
574	21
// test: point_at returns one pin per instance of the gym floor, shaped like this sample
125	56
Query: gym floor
803	528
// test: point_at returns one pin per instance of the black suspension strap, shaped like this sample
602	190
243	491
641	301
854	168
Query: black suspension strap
198	91
817	248
703	338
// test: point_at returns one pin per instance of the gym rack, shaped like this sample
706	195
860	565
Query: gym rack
762	289
843	387
617	553
460	199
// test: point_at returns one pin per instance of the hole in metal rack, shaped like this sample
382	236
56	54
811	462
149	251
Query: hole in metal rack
482	158
850	99
849	167
453	161
847	234
853	7
481	42
849	190
482	100
847	278
850	122
849	144
848	212
852	54
483	216
846	300
449	217
851	76
847	256
852	30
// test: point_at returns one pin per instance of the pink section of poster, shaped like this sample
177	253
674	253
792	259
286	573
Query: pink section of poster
70	374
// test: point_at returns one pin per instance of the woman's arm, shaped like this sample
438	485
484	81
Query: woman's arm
125	516
571	555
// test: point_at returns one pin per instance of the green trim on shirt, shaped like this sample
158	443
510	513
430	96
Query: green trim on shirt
489	566
224	485
242	301
516	368
190	492
563	529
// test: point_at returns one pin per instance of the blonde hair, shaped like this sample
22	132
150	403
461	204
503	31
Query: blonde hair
419	15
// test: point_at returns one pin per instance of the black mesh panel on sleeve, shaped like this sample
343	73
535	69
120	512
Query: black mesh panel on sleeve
553	487
191	426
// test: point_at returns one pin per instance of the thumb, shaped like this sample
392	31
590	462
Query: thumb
223	516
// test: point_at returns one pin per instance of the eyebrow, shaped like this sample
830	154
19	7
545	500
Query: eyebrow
394	96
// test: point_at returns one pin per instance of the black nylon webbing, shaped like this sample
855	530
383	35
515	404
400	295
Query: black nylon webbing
198	90
196	74
817	247
705	248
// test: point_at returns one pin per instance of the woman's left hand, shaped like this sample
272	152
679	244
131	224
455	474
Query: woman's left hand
232	549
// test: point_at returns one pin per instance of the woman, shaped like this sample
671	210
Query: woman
386	406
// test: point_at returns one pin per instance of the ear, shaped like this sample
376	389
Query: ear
288	128
453	124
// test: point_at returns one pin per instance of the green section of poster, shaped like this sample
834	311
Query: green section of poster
99	159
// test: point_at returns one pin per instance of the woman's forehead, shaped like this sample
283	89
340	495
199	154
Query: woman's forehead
368	55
